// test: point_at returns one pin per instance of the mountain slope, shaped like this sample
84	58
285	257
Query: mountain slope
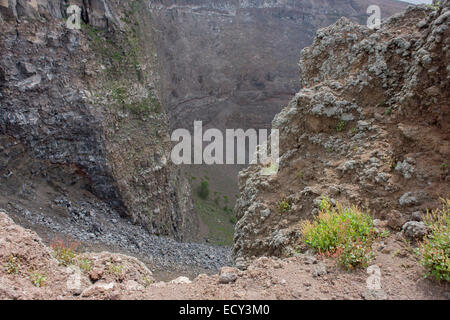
368	128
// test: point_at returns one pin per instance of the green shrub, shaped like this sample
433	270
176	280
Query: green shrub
13	265
284	206
203	190
343	233
341	126
85	264
64	252
358	254
435	249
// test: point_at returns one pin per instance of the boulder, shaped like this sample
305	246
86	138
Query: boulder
228	275
415	229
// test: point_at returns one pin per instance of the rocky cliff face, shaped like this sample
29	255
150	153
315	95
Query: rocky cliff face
80	113
229	63
370	127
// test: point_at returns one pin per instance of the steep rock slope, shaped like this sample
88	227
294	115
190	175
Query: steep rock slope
229	63
370	127
80	114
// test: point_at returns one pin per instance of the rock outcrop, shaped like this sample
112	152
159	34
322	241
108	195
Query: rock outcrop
370	127
79	111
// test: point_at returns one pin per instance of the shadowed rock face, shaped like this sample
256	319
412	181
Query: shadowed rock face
85	99
233	63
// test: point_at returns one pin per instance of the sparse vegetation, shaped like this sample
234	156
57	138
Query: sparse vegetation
85	264
37	279
203	190
385	234
434	251
218	217
147	281
64	251
115	269
344	233
300	175
392	162
284	205
434	6
341	126
13	264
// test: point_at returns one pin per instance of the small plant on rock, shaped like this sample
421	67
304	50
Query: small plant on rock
434	251
147	281
85	264
343	233
300	175
37	279
115	269
284	206
64	251
13	265
341	126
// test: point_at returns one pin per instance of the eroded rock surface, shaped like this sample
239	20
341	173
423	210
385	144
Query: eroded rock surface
370	127
80	115
230	62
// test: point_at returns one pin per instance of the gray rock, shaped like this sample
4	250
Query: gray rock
228	275
375	295
309	259
319	270
408	199
27	68
30	83
265	213
406	168
415	230
181	280
417	216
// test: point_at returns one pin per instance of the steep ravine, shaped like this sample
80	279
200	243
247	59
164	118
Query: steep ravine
86	114
84	147
231	64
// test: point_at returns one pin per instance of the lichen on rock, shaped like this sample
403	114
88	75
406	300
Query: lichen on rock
371	119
